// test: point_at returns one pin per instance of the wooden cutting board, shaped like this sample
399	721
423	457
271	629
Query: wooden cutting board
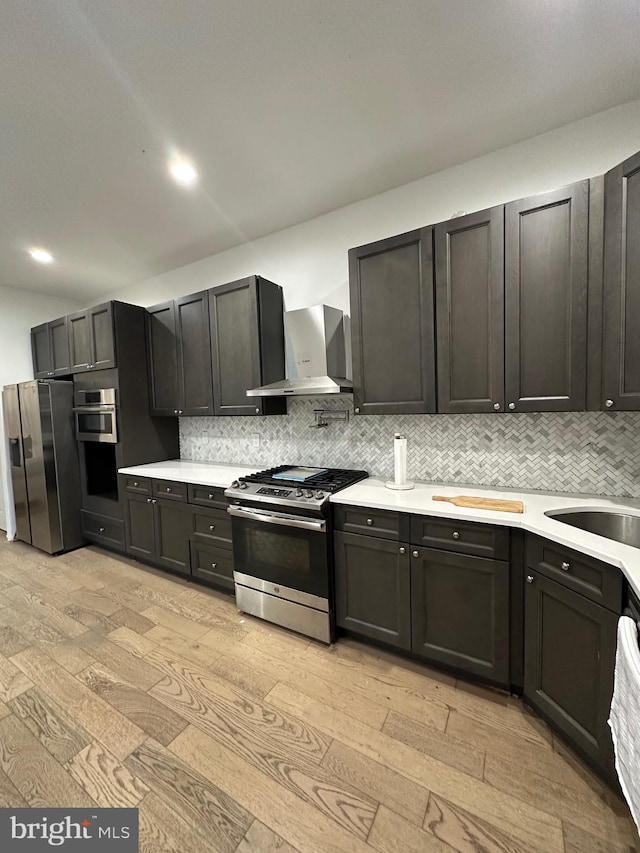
482	503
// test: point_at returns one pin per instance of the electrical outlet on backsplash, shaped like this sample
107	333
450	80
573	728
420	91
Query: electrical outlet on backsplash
589	452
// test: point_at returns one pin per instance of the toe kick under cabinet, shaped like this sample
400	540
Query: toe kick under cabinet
180	527
432	586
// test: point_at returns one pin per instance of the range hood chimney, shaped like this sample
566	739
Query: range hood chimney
316	355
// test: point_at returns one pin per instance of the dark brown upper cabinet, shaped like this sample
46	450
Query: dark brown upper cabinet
546	285
392	325
247	345
50	349
179	350
469	276
92	339
621	373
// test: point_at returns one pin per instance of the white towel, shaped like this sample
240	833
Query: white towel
625	714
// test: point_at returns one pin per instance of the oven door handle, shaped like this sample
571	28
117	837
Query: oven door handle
281	519
103	409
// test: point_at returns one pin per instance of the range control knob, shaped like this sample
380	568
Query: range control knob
319	495
235	484
298	493
243	485
308	493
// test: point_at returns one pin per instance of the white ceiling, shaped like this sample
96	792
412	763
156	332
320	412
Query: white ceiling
290	108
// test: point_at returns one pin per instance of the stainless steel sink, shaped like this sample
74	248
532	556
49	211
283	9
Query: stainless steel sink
612	525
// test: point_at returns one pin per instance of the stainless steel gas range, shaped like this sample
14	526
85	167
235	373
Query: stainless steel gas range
282	545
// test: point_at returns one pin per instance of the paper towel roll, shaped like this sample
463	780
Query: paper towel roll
399	464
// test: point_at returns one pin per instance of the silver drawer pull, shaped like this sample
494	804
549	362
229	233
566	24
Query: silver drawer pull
136	484
565	567
529	578
212	527
403	550
455	534
168	488
415	553
101	530
370	522
211	497
214	565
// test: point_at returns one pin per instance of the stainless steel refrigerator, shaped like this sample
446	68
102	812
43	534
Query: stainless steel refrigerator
43	457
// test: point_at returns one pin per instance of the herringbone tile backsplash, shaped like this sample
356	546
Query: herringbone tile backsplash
592	452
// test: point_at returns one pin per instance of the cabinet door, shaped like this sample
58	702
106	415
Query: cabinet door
392	332
173	529
569	658
194	354
41	351
163	361
103	351
235	347
460	612
546	280
139	527
469	270
622	286
372	588
59	340
80	341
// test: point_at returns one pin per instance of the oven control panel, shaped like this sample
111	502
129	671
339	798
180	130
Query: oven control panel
275	493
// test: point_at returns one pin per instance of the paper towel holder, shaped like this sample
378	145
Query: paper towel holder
400	459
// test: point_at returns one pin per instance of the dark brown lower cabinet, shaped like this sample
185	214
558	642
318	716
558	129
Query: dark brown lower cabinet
460	612
569	659
173	527
373	595
212	564
139	526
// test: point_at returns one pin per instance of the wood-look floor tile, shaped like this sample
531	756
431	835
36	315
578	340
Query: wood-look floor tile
302	825
377	781
261	839
170	619
150	715
535	827
93	600
200	803
128	618
453	751
54	728
163	831
4	710
12	642
36	608
466	831
180	647
105	779
13	682
70	656
92	619
246	678
391	833
10	797
95	715
578	840
129	667
556	799
132	641
196	694
34	772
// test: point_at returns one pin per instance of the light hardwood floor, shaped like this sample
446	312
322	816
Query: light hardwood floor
121	686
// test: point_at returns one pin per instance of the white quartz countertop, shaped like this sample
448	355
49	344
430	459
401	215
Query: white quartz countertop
373	493
185	471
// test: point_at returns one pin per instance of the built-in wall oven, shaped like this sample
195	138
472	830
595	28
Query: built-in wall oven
282	546
96	415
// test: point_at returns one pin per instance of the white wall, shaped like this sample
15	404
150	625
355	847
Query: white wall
310	260
19	311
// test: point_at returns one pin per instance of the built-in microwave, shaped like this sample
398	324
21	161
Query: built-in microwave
96	415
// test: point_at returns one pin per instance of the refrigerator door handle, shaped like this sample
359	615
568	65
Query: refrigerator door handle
27	443
14	452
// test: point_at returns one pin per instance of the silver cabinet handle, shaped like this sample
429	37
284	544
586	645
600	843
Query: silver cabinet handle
175	411
455	534
608	403
496	406
529	578
415	553
211	497
181	411
357	411
148	500
101	530
512	406
212	527
370	522
168	488
214	565
403	550
154	501
565	566
136	485
257	411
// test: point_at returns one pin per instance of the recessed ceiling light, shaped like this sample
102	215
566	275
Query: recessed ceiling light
41	256
183	172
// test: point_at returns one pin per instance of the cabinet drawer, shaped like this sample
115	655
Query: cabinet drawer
137	485
371	522
214	526
211	564
598	581
102	529
207	496
463	537
170	490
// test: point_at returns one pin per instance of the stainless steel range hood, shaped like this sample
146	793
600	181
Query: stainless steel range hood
317	341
